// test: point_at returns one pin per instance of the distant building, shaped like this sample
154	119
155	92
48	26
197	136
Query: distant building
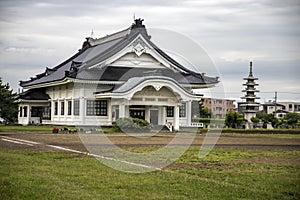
250	107
291	106
278	110
219	107
271	107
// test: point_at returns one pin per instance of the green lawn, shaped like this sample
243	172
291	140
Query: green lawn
44	128
223	174
25	128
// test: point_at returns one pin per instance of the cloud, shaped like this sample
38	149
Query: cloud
35	34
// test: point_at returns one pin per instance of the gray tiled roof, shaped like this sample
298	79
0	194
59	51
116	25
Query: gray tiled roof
36	94
95	51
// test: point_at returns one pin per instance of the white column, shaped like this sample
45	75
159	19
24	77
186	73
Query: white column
127	114
121	111
82	110
72	110
65	110
52	116
109	111
189	112
176	118
82	105
28	114
160	117
163	115
58	110
147	113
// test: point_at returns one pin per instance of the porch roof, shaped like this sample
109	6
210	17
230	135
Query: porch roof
36	94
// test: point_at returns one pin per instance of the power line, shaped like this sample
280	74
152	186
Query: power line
258	92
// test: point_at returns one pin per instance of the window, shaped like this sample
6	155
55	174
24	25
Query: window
25	111
296	108
90	107
55	108
62	108
290	107
36	111
182	110
21	111
98	108
170	111
219	101
219	108
101	108
47	113
76	107
69	107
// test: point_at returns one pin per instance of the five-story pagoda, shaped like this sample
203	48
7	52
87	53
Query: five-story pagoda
250	107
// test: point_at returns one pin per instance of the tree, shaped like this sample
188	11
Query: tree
264	117
254	119
205	112
8	106
292	118
198	110
234	119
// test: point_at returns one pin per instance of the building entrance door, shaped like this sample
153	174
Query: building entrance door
154	117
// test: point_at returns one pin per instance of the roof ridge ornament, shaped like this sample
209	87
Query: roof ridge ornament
138	23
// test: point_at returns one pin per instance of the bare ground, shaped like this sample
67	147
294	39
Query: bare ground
73	141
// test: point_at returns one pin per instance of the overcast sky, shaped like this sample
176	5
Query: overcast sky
38	34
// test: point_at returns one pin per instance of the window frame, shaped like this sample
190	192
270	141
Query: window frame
170	111
182	110
69	108
76	107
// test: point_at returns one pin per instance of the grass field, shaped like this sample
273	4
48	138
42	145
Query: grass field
226	173
25	128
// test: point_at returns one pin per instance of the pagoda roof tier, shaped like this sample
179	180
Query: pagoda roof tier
250	90
250	84
250	78
250	97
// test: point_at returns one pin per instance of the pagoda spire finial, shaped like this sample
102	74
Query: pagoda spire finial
250	72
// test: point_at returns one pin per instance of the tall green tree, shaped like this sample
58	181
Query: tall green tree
292	118
205	112
8	105
234	119
198	110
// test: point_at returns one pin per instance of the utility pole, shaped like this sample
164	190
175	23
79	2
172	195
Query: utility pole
275	101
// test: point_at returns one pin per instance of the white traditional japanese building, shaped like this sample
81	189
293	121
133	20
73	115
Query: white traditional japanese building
120	75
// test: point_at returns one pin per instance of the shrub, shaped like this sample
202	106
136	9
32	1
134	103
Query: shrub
132	125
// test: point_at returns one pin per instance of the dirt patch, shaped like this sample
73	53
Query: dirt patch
73	141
